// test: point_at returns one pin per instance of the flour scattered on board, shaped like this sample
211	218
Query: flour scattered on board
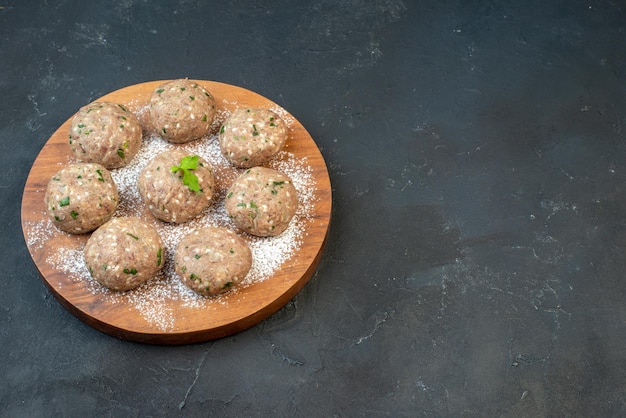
153	299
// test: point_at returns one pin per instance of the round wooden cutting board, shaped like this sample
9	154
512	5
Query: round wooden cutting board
170	319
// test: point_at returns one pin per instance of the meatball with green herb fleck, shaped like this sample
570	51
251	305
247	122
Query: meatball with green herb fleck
262	201
212	260
251	137
81	197
181	111
176	186
124	253
105	133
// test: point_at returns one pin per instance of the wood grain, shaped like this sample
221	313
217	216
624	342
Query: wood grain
235	312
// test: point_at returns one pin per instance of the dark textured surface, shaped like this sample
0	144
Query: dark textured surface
475	263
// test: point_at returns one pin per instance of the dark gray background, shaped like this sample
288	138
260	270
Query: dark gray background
475	263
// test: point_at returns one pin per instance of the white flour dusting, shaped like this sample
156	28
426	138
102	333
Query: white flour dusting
152	299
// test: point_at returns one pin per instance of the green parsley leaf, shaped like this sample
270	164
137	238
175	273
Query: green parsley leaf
65	201
187	165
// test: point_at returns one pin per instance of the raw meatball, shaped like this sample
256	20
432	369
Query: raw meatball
251	137
81	197
181	111
212	260
124	253
105	133
176	196
262	201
